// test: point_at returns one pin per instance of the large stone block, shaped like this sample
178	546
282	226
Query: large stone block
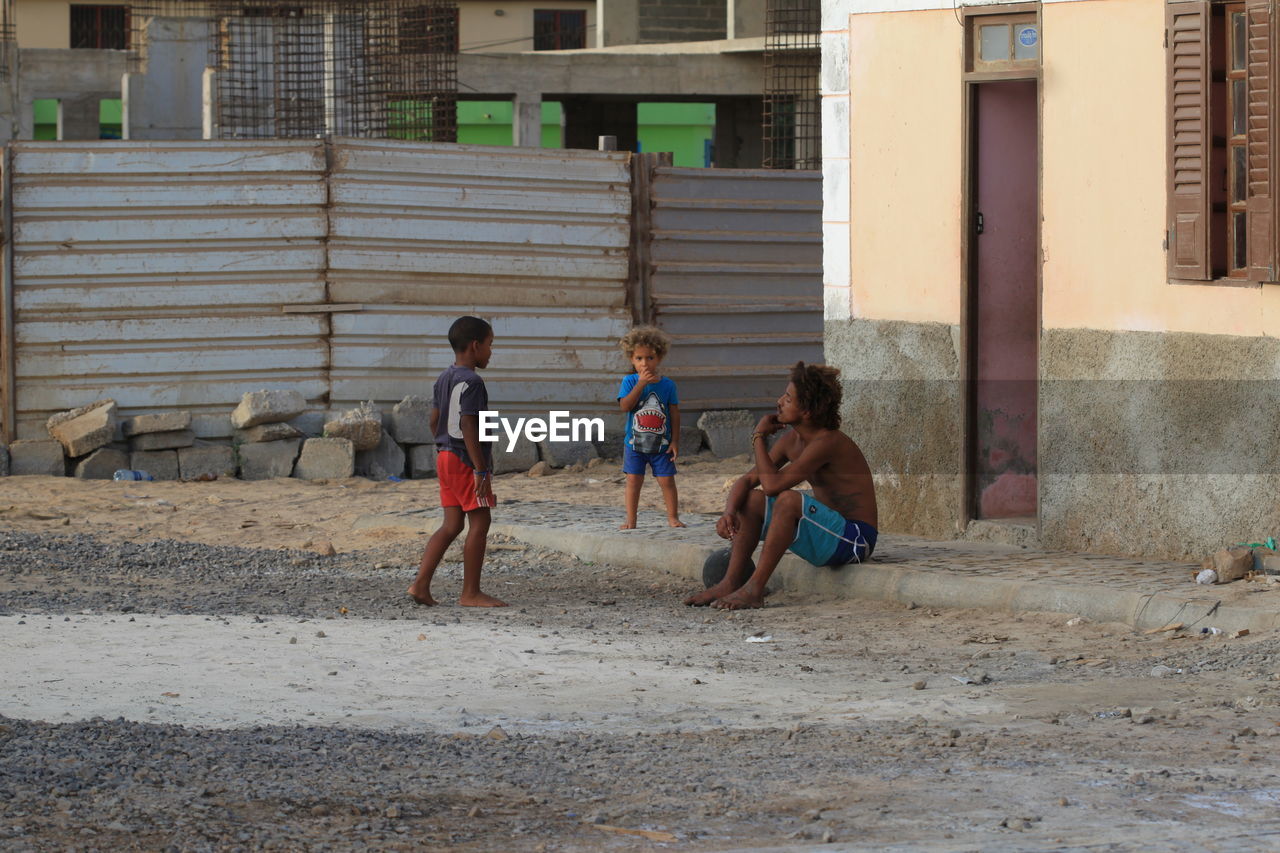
160	464
691	440
728	433
37	457
217	460
385	460
101	464
422	461
267	407
268	432
82	431
4	461
264	460
362	426
325	459
521	458
411	421
162	440
161	422
610	447
559	454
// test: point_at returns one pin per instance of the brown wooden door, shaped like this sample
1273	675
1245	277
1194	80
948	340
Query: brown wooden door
1004	313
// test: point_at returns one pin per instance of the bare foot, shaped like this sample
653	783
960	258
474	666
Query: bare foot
480	600
706	596
424	599
743	599
630	525
675	522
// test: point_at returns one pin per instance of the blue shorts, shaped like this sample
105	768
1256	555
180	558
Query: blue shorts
824	537
661	463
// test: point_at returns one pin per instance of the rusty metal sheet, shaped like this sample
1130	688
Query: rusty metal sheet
737	280
154	273
534	241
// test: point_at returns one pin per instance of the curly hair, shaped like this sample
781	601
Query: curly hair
818	392
645	336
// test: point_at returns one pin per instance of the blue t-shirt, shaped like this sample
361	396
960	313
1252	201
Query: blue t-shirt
459	391
649	424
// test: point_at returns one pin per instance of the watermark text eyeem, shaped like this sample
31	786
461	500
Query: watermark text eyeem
559	426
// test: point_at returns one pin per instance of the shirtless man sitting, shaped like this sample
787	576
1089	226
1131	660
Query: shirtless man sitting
834	526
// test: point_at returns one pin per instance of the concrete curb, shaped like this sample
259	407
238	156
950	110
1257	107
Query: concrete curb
894	582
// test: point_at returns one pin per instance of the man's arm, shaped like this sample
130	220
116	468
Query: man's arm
727	525
775	479
471	438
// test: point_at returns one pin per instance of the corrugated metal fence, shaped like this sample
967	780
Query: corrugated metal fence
180	275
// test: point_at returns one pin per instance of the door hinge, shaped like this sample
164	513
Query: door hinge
978	223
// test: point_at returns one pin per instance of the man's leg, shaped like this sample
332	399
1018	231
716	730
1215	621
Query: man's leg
473	561
782	532
750	522
420	590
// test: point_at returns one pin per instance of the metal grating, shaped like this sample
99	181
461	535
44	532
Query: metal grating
382	69
8	43
792	102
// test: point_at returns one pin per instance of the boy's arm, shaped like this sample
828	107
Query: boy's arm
629	402
471	438
675	431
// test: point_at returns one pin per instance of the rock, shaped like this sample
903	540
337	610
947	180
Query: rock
497	733
267	407
325	459
362	426
521	458
82	431
919	685
217	460
1161	671
610	447
1231	564
267	432
160	464
265	460
163	440
4	461
163	422
691	440
385	460
101	464
422	461
539	469
561	454
411	421
728	433
39	456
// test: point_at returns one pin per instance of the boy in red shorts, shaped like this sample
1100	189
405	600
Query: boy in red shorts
463	464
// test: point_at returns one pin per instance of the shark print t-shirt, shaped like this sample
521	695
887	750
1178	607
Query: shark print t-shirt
649	423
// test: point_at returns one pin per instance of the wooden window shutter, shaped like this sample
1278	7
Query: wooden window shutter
1261	200
1187	54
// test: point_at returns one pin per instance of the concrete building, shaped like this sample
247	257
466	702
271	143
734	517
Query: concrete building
596	60
1051	321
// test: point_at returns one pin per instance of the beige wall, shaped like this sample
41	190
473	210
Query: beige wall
904	180
480	28
1103	143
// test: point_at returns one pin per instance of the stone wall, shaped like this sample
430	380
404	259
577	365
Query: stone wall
681	20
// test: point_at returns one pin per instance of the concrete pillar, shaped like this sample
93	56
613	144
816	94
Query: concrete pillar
167	102
745	19
617	22
209	103
78	118
526	120
26	119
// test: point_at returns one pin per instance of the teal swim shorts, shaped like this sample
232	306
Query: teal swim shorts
824	537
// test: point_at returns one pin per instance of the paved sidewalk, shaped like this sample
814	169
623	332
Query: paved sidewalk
1144	594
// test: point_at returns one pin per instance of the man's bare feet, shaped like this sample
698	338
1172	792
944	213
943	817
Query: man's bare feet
424	599
708	595
743	599
675	522
630	525
480	600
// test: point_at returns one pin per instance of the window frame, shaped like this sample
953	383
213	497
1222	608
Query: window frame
98	30
560	14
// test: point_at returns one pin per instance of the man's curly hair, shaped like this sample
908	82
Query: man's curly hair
645	336
818	392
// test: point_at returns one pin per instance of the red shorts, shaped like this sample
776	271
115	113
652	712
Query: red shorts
457	482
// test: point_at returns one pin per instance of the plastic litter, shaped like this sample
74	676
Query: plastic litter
394	479
1207	577
126	474
1211	631
762	637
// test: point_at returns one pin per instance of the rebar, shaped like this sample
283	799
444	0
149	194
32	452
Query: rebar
792	101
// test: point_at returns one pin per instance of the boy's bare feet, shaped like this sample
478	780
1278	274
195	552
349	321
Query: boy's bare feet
743	599
630	525
480	600
675	522
424	599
